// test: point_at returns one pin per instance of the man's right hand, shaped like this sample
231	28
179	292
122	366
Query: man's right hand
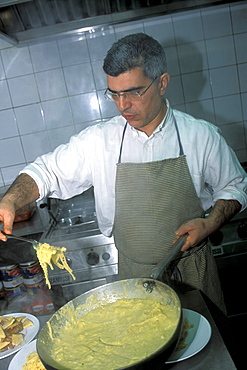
23	191
7	216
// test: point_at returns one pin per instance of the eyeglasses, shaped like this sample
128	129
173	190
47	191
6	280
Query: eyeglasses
129	95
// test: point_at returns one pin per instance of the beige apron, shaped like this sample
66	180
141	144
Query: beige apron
152	200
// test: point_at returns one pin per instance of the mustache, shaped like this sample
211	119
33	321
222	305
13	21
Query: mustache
126	111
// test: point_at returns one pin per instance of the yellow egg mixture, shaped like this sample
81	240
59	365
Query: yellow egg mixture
47	254
114	335
33	362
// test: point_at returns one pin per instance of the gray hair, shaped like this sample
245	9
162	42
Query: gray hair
136	50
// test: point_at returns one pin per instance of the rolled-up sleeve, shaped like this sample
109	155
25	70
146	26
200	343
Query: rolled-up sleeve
64	172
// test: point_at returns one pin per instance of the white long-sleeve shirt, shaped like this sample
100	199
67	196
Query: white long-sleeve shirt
90	158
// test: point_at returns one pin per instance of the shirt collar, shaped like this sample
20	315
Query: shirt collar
167	117
160	128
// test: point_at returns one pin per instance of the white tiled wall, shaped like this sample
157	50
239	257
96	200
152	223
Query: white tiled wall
51	90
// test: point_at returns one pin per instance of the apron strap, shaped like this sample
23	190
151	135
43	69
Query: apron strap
121	146
181	150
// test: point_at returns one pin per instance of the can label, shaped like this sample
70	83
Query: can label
2	293
49	307
30	270
32	276
10	273
37	308
12	280
13	283
34	281
33	289
12	292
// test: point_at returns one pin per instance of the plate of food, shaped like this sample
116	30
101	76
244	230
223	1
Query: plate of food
26	359
195	335
16	331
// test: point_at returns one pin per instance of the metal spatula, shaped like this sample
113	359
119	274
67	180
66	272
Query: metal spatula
11	236
17	250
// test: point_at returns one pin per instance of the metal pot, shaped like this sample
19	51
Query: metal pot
145	288
130	288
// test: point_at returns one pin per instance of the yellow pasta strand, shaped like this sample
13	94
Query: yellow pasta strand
47	254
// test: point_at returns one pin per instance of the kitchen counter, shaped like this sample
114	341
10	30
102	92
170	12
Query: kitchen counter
214	356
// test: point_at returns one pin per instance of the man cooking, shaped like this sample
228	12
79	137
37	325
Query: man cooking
155	172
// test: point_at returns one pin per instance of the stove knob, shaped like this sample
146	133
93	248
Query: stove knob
69	261
106	256
216	238
92	258
242	230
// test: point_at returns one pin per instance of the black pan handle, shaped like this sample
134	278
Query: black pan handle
158	270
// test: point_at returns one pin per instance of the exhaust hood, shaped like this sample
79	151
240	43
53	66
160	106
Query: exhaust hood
27	20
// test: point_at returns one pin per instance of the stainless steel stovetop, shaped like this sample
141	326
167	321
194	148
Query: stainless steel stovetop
232	237
92	256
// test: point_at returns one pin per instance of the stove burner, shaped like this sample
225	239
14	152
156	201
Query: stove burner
92	258
242	230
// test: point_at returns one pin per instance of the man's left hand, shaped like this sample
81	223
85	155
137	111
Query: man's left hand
200	228
197	230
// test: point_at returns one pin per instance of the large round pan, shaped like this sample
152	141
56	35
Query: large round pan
147	288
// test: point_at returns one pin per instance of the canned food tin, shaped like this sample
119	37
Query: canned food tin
10	273
30	269
33	276
12	280
14	292
2	293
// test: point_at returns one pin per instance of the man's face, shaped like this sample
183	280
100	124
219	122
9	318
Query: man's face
147	112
